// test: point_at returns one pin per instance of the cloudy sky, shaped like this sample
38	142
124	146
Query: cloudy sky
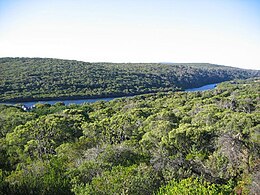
223	32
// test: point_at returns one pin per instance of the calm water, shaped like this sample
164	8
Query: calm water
81	101
203	88
66	102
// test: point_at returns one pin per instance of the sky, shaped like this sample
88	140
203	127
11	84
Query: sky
225	32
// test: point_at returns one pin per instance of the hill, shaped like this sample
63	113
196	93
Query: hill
165	143
37	78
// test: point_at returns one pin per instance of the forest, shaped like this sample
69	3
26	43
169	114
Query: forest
27	79
162	143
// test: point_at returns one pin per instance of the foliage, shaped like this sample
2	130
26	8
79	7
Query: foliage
44	78
165	143
123	180
194	186
39	178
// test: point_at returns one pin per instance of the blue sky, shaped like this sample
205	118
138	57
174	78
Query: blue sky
224	32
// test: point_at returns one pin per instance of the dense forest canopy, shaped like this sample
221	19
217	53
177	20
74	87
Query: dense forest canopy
43	78
165	143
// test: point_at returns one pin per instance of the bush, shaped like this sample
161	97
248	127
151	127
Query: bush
194	186
135	179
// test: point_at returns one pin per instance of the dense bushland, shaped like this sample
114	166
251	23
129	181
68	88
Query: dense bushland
37	78
165	143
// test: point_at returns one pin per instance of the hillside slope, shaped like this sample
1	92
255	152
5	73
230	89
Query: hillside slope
43	78
165	143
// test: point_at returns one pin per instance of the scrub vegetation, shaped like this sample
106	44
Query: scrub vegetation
26	79
164	143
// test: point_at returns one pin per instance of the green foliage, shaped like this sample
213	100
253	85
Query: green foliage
193	186
121	155
165	143
44	78
38	139
123	180
44	109
10	117
39	178
3	183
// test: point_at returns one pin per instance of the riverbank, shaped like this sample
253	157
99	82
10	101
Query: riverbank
76	100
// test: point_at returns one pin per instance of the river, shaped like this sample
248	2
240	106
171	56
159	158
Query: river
81	101
203	88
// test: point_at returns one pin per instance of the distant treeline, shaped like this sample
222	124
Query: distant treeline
43	78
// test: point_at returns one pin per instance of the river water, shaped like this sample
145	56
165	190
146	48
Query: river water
81	101
203	88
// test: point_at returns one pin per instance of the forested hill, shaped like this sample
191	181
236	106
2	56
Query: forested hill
164	143
43	78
